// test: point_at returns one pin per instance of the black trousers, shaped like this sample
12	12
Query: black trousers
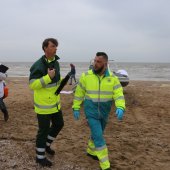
49	124
3	107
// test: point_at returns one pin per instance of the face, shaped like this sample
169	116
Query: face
99	64
50	51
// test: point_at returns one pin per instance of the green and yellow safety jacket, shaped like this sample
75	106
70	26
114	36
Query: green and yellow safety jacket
45	100
98	93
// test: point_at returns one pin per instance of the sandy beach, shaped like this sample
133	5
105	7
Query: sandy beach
140	142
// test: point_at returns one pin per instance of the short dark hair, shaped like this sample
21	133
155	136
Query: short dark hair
46	41
103	54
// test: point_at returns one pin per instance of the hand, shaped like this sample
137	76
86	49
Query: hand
51	73
119	113
76	114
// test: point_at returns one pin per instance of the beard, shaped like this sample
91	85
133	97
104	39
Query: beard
99	70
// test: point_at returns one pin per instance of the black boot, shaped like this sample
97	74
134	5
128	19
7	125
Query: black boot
44	162
50	151
92	156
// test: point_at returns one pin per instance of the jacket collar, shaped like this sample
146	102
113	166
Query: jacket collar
55	58
107	72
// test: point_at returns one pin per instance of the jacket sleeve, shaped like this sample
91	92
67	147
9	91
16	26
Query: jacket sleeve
79	93
36	80
118	94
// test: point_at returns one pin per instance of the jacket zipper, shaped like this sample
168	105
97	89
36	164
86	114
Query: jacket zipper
99	97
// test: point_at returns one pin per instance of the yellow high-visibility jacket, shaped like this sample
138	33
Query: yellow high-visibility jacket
98	94
45	100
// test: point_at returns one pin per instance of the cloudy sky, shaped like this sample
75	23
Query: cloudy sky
127	30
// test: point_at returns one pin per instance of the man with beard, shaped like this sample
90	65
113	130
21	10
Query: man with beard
98	88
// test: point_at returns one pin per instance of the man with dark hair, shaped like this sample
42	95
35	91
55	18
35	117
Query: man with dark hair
98	88
102	54
44	79
46	42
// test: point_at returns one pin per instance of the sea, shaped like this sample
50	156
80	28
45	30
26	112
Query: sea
136	71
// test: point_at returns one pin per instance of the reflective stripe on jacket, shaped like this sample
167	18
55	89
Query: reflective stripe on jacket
98	94
45	100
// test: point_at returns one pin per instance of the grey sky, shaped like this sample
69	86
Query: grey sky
127	30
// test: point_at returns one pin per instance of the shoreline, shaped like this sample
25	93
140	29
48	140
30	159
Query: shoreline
26	77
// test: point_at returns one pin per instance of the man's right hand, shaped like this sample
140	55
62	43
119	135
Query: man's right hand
51	73
76	114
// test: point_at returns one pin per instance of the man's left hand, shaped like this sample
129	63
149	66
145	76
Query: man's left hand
120	113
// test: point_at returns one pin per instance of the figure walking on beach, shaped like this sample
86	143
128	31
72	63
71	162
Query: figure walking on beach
73	75
2	95
44	80
98	88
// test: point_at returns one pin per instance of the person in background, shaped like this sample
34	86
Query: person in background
73	75
98	88
44	80
2	96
